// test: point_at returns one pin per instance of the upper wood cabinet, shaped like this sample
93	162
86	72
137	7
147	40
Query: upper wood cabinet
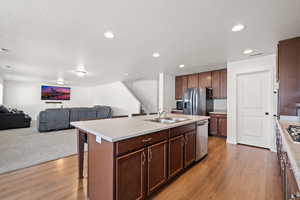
223	84
178	87
193	81
219	84
181	84
215	75
204	80
217	80
288	74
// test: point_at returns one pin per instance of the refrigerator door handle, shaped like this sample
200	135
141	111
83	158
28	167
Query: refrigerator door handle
193	102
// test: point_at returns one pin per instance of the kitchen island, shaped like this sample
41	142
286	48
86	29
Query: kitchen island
131	158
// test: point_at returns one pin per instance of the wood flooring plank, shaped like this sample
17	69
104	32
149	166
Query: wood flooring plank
229	172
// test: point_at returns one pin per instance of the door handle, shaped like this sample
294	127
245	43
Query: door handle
143	158
147	140
149	155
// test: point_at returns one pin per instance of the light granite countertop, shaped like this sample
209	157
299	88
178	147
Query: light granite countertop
117	129
292	148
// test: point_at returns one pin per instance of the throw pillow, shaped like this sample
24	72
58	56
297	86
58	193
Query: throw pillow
3	109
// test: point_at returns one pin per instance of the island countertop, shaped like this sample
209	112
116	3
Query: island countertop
117	129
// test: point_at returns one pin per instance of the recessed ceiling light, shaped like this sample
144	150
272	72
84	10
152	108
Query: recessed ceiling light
3	50
248	51
7	67
238	27
181	66
109	35
126	74
80	72
60	81
155	55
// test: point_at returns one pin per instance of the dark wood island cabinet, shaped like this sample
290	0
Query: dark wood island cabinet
176	155
137	167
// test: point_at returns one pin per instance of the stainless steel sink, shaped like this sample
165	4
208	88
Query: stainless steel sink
168	120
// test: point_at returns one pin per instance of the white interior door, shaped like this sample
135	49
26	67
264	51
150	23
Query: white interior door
254	117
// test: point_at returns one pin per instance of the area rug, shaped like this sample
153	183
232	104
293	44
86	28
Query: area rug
20	148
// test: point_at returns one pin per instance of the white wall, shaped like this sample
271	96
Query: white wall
220	104
147	93
246	66
26	96
116	95
1	91
166	92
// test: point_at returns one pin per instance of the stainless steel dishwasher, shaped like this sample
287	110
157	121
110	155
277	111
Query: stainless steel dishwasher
201	139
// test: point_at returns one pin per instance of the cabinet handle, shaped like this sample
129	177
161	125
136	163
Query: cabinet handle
143	158
147	140
182	141
149	155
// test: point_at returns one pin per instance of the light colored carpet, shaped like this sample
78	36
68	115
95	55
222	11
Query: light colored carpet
25	147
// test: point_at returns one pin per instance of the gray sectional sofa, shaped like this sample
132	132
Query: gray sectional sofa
58	119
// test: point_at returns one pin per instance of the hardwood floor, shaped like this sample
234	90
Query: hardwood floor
232	172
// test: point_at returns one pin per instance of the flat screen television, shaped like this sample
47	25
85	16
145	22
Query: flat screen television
55	93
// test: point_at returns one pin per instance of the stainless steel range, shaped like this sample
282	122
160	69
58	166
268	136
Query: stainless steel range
294	132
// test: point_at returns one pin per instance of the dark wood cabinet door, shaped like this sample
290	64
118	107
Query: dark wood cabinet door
204	80
193	81
176	147
291	184
215	82
222	126
213	126
157	166
223	83
291	187
190	148
184	84
130	175
181	84
289	73
178	87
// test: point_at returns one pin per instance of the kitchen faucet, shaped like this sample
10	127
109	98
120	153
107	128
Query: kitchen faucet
160	113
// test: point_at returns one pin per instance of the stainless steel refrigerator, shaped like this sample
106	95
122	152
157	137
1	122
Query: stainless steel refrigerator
197	101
